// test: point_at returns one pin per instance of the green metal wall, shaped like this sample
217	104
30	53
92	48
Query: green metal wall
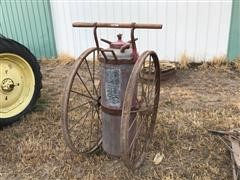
30	23
234	36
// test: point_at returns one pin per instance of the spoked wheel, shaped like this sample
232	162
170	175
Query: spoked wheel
140	109
81	121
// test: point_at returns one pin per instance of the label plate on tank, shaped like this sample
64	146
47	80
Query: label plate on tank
113	87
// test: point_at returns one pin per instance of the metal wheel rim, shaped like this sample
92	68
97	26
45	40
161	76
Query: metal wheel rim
17	84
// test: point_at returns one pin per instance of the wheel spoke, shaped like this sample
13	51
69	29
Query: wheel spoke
85	115
79	106
132	150
132	124
90	97
84	85
92	77
146	110
137	132
139	143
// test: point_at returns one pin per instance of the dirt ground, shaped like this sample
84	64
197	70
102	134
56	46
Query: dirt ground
196	100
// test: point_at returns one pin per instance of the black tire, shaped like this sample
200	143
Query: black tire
2	36
13	47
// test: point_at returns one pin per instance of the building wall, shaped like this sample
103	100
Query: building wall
234	36
199	29
30	23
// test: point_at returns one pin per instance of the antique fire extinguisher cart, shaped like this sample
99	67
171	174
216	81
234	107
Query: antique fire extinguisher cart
111	97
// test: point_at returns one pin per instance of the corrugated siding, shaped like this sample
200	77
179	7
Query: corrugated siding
30	23
199	28
234	37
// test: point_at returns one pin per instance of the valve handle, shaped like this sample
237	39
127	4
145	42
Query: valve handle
127	45
124	47
130	41
106	41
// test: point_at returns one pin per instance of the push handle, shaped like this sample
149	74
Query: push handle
118	25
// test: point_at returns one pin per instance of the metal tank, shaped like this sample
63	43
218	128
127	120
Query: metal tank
116	66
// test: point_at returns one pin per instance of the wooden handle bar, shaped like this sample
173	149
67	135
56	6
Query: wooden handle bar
118	25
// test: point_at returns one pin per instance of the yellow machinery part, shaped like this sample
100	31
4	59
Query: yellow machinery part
17	84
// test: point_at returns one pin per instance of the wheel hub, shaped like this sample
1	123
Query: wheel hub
7	85
96	103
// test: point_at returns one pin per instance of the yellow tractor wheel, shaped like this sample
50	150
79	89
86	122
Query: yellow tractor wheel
20	81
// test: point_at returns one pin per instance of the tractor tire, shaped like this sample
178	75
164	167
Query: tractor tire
2	36
20	81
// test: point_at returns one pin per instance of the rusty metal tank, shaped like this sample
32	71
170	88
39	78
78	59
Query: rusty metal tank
116	66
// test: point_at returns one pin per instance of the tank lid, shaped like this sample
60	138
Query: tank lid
119	43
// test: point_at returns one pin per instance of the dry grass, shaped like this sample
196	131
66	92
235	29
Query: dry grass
184	61
237	64
221	62
65	58
192	103
218	61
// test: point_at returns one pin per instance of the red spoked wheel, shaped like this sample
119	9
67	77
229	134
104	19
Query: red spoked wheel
81	118
140	109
